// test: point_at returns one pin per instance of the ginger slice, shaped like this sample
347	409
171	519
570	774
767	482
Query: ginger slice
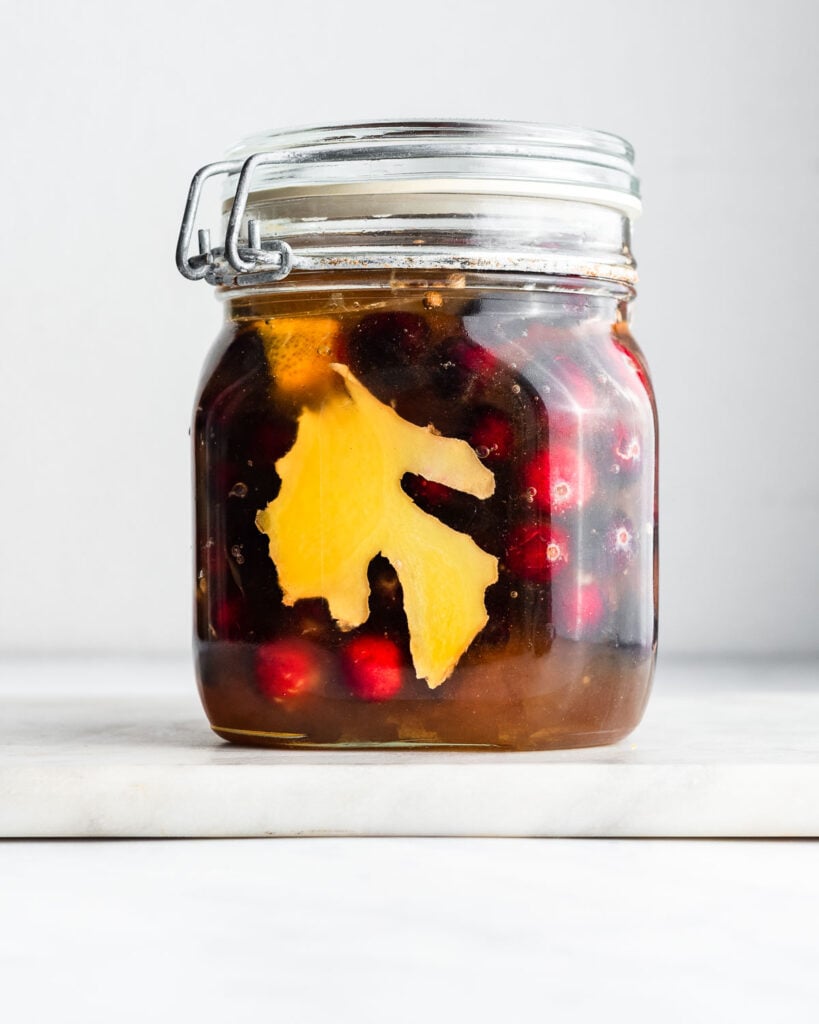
300	352
341	503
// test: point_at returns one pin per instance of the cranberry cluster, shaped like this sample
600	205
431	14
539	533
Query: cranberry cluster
563	423
371	665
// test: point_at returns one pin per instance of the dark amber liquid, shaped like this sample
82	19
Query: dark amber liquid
552	394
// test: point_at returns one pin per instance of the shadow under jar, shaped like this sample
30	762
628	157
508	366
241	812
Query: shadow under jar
425	442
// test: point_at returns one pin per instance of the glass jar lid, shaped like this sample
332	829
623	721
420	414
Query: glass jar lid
444	194
498	157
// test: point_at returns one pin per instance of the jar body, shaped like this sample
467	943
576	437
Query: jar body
426	515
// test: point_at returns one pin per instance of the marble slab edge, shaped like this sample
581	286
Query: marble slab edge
431	798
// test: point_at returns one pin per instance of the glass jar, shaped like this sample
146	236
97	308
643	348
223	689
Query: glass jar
425	441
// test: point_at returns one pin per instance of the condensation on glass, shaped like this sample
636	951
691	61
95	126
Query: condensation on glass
425	441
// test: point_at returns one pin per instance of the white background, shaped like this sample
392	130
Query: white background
404	930
108	109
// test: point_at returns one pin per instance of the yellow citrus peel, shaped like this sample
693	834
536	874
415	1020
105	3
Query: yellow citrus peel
341	503
300	352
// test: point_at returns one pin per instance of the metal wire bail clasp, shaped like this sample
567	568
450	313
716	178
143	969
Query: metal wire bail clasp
256	262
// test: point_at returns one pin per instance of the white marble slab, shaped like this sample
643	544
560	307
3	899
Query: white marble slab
122	749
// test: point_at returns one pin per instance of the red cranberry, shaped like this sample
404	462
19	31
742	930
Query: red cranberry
225	618
578	610
559	479
476	359
428	491
285	668
572	386
492	437
515	354
626	450
628	363
463	368
537	552
620	542
571	397
372	667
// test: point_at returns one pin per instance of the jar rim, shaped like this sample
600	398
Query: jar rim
484	156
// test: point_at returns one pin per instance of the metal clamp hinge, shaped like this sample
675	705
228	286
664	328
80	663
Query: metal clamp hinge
240	262
237	262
